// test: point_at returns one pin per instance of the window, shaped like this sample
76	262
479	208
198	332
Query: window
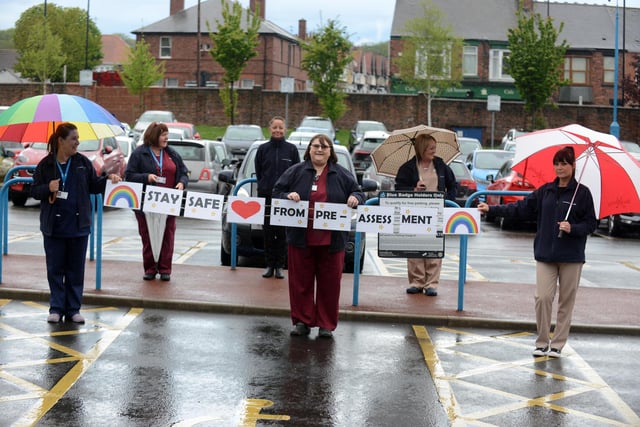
470	61
165	47
205	47
609	69
576	69
438	66
246	84
171	82
499	65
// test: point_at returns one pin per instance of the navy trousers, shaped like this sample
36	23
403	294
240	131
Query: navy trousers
66	258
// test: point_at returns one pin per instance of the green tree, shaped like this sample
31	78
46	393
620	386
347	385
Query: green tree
536	62
326	55
141	71
6	39
43	55
70	25
431	54
234	44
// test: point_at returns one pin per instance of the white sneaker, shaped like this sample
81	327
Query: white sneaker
77	318
539	351
53	318
554	352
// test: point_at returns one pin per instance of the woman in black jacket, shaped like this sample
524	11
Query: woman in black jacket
558	247
156	163
425	172
316	257
63	181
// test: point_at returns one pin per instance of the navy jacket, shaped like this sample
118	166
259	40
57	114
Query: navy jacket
70	217
549	205
408	176
340	185
141	164
272	159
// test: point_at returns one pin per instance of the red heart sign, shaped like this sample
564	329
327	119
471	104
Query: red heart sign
245	209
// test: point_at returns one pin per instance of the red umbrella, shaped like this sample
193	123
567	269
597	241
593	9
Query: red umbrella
602	164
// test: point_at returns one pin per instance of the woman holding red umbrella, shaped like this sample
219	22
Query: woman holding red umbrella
565	217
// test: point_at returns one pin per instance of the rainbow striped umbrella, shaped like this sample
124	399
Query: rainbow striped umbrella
34	119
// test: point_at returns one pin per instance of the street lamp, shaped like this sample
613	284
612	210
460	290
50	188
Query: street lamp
614	129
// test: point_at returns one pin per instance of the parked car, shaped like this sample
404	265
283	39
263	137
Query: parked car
318	125
509	138
11	147
483	163
188	130
105	155
7	160
468	145
385	183
362	152
506	179
148	117
466	184
127	145
205	160
620	224
238	139
297	137
633	149
362	126
19	193
249	238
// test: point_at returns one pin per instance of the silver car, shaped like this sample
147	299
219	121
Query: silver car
205	160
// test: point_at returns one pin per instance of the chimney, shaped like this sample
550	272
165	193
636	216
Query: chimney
253	4
176	6
302	29
527	5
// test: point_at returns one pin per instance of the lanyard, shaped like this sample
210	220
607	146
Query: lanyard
159	163
63	175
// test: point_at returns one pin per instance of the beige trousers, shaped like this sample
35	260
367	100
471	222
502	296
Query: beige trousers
549	276
424	272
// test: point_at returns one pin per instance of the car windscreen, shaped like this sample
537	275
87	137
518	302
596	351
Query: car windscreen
371	144
89	145
364	127
491	159
460	170
243	134
189	152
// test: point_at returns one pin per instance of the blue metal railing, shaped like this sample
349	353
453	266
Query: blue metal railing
96	225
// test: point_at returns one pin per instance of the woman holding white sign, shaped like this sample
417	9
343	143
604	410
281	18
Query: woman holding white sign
425	172
316	256
155	163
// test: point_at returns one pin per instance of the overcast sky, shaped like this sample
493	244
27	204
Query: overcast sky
367	21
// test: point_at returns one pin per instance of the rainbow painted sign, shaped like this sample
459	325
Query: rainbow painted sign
126	195
461	221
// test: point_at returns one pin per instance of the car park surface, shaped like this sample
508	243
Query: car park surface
205	160
249	239
362	126
238	138
483	163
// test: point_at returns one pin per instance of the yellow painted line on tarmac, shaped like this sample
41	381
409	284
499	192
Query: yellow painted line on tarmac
631	265
84	362
190	252
453	347
446	397
21	237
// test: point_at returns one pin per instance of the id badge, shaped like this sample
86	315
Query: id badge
62	195
161	180
314	187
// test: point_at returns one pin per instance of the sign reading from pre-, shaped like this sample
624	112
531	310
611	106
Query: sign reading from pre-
419	212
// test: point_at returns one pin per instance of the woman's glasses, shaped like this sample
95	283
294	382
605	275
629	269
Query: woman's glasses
320	146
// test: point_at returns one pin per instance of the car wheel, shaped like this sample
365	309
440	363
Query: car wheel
19	199
612	225
225	258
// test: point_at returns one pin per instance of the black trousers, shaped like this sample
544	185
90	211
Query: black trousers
275	242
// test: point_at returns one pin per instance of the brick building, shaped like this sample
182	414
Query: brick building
483	25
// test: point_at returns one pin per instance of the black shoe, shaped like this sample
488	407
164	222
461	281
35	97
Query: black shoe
148	276
165	276
325	333
431	292
279	273
300	329
268	272
414	290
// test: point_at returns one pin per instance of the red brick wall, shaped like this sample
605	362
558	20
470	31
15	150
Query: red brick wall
203	106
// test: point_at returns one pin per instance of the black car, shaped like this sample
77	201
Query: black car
249	238
238	139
